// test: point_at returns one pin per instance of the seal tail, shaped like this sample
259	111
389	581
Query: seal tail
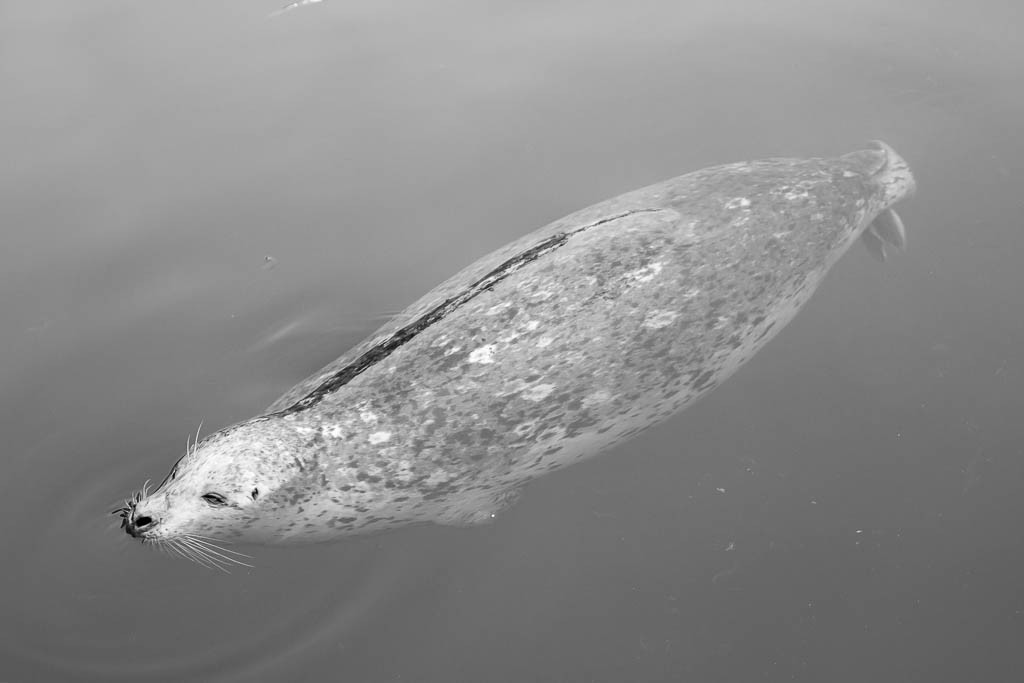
885	231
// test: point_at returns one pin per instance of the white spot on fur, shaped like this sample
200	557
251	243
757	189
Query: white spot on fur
542	294
380	437
656	320
737	203
495	310
454	349
436	478
334	431
368	416
544	342
404	471
484	355
596	398
532	325
538	392
524	428
644	274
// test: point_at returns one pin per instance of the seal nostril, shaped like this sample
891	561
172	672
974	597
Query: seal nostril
143	522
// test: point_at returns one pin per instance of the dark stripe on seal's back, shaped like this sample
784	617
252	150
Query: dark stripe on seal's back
388	346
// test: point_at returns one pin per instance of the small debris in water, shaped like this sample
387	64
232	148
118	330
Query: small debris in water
269	263
294	5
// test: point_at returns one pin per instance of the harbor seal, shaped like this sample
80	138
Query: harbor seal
547	351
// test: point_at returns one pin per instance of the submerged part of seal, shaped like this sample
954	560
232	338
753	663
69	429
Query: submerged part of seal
545	352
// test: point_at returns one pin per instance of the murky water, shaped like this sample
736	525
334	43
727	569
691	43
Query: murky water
200	206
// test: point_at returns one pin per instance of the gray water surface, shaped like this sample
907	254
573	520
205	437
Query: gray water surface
847	508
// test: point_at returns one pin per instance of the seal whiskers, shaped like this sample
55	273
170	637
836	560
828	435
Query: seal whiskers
172	546
187	551
202	551
191	444
214	553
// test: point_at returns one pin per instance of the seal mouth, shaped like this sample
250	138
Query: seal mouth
134	525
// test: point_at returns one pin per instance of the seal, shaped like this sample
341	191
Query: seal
545	352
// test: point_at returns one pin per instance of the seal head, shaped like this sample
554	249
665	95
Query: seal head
893	181
235	484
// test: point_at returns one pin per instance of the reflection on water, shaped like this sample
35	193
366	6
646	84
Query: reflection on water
156	156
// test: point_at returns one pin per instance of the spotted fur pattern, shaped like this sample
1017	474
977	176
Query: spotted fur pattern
550	350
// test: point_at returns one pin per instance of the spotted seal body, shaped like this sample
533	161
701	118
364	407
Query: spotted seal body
545	352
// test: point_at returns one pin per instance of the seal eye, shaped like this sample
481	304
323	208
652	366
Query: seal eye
215	499
255	492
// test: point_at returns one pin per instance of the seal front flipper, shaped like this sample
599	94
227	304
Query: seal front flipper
886	230
889	227
480	509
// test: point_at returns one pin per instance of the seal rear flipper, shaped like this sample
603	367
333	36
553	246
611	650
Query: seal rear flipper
886	230
480	509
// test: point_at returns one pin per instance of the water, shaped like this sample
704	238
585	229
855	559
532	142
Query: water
844	509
